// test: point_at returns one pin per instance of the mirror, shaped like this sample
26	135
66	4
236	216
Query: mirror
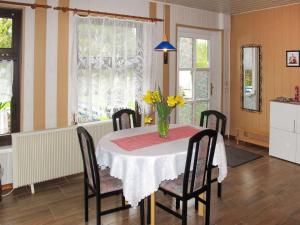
251	78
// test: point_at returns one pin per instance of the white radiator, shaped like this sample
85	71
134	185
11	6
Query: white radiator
45	155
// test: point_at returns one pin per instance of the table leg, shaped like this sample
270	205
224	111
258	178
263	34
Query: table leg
201	207
152	209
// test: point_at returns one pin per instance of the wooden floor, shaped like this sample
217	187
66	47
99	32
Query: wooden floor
263	192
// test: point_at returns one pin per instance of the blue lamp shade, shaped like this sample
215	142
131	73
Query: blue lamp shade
165	46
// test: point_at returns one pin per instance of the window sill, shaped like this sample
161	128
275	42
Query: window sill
93	123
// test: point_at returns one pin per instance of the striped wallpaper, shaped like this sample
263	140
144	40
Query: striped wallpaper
45	85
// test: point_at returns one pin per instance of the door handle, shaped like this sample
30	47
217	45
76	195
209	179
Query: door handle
211	89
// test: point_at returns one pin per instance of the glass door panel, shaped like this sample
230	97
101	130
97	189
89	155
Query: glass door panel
200	106
186	56
201	85
185	114
186	84
193	78
202	53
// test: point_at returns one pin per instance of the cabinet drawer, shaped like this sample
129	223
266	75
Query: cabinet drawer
283	116
283	144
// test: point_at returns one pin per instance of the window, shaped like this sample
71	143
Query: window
193	78
110	66
10	36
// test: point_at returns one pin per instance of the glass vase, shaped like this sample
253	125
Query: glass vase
163	126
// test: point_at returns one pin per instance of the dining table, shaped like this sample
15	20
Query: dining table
142	160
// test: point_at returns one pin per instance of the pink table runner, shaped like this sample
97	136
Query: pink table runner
145	140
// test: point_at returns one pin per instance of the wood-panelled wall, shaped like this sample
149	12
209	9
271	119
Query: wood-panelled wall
40	67
277	30
166	67
62	65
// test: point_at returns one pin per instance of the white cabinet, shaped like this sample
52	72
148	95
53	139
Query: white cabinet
285	131
283	116
283	144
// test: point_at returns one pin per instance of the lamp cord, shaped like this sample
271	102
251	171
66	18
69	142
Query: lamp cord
164	28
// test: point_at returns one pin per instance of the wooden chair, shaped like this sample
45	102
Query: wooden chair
124	119
214	120
98	183
197	175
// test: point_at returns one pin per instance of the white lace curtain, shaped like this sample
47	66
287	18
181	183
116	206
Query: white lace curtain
111	66
6	82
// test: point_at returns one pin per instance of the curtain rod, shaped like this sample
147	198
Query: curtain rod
33	6
116	15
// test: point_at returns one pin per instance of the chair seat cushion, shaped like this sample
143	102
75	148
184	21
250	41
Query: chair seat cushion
109	183
173	186
104	173
176	186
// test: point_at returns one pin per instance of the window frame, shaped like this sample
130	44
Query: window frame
13	53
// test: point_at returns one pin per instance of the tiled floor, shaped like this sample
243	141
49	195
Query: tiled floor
263	192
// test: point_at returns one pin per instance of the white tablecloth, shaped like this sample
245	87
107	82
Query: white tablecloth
142	170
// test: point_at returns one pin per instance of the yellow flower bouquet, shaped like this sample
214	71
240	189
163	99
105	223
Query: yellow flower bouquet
163	107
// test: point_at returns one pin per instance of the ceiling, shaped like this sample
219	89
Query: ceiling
231	6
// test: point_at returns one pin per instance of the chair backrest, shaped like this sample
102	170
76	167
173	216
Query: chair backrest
200	154
212	119
91	171
123	119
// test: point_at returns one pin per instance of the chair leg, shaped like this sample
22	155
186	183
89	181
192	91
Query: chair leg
86	203
184	212
148	210
177	204
98	209
219	190
123	201
142	212
207	206
196	204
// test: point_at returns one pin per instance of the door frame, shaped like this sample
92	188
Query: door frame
222	58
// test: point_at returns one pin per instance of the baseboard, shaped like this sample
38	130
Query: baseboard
233	138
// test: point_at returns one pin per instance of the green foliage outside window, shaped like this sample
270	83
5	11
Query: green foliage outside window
4	105
5	33
202	54
248	78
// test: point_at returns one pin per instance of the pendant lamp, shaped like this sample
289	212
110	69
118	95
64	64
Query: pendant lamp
165	45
